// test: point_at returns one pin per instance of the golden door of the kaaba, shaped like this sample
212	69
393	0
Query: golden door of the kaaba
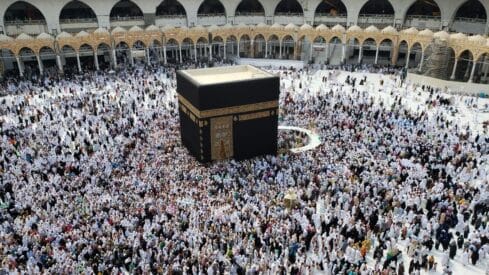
221	137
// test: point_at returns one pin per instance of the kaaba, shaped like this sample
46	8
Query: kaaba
228	112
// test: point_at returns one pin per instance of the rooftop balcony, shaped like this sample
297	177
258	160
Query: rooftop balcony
127	21
177	20
286	18
32	27
211	19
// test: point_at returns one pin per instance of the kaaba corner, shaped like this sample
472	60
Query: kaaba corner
228	112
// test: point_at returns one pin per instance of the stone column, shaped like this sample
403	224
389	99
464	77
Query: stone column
131	58
252	48
78	62
224	48
310	53
377	55
280	49
266	49
19	66
407	57
164	55
421	62
114	58
195	53
60	65
343	53
452	77
210	51
471	79
360	53
148	59
95	58
327	51
180	53
238	50
40	65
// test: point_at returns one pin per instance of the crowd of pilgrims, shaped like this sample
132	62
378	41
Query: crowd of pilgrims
94	179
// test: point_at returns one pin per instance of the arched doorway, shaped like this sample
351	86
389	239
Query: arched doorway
402	53
470	18
77	16
259	46
274	50
29	63
171	49
423	14
244	46
463	66
335	51
330	13
481	69
231	46
123	53
86	57
288	47
319	53
9	67
104	56
202	48
70	60
188	51
385	52
23	17
415	56
217	47
126	13
155	52
47	58
139	54
353	51
379	13
369	51
289	11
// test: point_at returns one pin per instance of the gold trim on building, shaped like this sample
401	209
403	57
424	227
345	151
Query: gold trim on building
227	110
254	115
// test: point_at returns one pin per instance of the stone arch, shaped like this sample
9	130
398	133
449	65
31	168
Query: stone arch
473	7
286	7
122	52
335	40
369	49
464	66
424	8
249	7
244	46
385	51
288	47
86	52
170	8
125	9
104	55
76	10
214	7
22	10
273	45
331	8
377	7
231	45
259	46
